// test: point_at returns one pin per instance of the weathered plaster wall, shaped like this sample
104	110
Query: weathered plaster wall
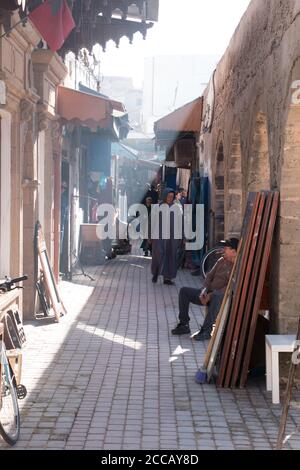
30	76
259	128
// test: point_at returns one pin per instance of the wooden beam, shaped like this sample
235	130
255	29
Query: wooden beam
260	286
246	313
245	288
248	225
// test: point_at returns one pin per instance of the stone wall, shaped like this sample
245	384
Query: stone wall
30	77
257	123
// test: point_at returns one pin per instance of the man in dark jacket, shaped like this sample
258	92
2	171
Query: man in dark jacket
211	294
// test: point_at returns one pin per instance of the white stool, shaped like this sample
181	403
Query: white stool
274	345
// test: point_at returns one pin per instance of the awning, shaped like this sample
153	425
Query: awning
150	164
185	119
85	109
123	151
177	133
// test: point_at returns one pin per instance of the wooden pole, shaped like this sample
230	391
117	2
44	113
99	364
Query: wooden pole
287	398
56	143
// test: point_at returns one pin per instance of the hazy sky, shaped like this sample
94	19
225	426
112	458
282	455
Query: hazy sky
184	27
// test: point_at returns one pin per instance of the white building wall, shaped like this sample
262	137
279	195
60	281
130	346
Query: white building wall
78	73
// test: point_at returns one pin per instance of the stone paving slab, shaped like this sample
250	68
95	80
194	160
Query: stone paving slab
110	375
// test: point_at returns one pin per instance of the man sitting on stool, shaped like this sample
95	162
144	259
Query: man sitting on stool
211	294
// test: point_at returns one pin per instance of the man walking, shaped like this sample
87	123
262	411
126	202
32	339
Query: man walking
211	294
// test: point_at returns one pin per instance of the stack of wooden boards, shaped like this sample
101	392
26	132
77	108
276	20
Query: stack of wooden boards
233	338
47	289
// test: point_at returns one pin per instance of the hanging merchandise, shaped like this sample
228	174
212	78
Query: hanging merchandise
102	182
198	194
99	154
170	177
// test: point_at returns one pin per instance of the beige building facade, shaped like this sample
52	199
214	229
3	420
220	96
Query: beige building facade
30	154
251	139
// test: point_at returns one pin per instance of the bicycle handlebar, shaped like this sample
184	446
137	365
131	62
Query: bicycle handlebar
7	283
19	279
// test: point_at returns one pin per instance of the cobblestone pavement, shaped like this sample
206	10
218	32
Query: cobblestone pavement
110	375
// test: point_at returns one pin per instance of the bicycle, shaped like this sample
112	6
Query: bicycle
9	394
210	259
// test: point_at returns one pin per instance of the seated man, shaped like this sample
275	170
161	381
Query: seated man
211	294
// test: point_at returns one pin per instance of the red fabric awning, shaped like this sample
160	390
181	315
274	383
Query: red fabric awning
185	119
87	110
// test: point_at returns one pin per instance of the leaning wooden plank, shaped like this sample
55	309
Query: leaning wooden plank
251	291
248	211
252	205
219	317
50	283
260	285
218	337
287	396
215	342
237	293
244	290
50	286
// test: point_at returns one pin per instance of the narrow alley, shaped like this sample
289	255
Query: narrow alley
149	226
110	375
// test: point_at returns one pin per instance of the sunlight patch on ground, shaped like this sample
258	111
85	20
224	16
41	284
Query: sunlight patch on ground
179	351
173	359
140	256
119	339
289	436
77	296
137	266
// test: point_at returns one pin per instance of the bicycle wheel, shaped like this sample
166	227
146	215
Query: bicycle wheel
210	259
9	408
